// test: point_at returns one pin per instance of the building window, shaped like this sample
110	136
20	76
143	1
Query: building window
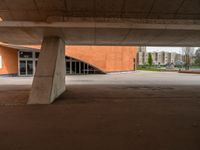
28	63
74	67
1	63
37	54
26	54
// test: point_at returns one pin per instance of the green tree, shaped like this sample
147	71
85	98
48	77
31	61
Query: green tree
197	57
150	59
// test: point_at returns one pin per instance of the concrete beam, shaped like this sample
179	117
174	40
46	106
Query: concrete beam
108	23
49	80
99	31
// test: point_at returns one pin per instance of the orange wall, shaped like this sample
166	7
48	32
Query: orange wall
9	61
105	58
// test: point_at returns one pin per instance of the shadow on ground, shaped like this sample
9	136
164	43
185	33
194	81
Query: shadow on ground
102	117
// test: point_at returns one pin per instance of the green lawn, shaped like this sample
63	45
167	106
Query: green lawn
195	67
151	69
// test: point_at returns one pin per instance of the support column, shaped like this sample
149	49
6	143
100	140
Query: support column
49	79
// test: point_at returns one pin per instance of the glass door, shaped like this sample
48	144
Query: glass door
22	67
29	69
68	67
26	67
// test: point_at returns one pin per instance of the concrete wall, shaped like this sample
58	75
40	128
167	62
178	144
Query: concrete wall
9	60
105	58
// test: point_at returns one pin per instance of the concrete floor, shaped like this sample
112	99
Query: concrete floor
138	110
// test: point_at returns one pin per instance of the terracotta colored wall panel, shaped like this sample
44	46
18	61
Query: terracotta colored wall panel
105	58
9	61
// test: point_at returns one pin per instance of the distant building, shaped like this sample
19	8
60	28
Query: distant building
142	49
167	58
146	56
155	58
179	57
159	58
188	55
174	57
142	56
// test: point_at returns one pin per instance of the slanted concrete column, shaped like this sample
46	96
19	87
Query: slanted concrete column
49	80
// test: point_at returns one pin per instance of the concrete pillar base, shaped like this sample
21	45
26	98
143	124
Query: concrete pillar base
49	80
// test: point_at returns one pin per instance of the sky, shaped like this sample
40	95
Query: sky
167	49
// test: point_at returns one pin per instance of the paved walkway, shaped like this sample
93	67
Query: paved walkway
139	110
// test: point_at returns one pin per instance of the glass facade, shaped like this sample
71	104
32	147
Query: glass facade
22	67
25	54
74	66
28	62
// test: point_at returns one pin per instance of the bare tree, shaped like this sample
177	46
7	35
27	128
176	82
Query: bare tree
197	57
188	53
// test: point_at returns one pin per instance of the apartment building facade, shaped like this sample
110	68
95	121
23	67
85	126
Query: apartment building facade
159	58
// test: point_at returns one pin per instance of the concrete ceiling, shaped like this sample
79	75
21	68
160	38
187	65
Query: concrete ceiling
102	22
43	10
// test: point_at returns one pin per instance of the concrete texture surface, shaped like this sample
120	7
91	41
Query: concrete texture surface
46	10
49	79
91	31
101	22
138	110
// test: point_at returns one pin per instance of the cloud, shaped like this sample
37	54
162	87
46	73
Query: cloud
166	49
